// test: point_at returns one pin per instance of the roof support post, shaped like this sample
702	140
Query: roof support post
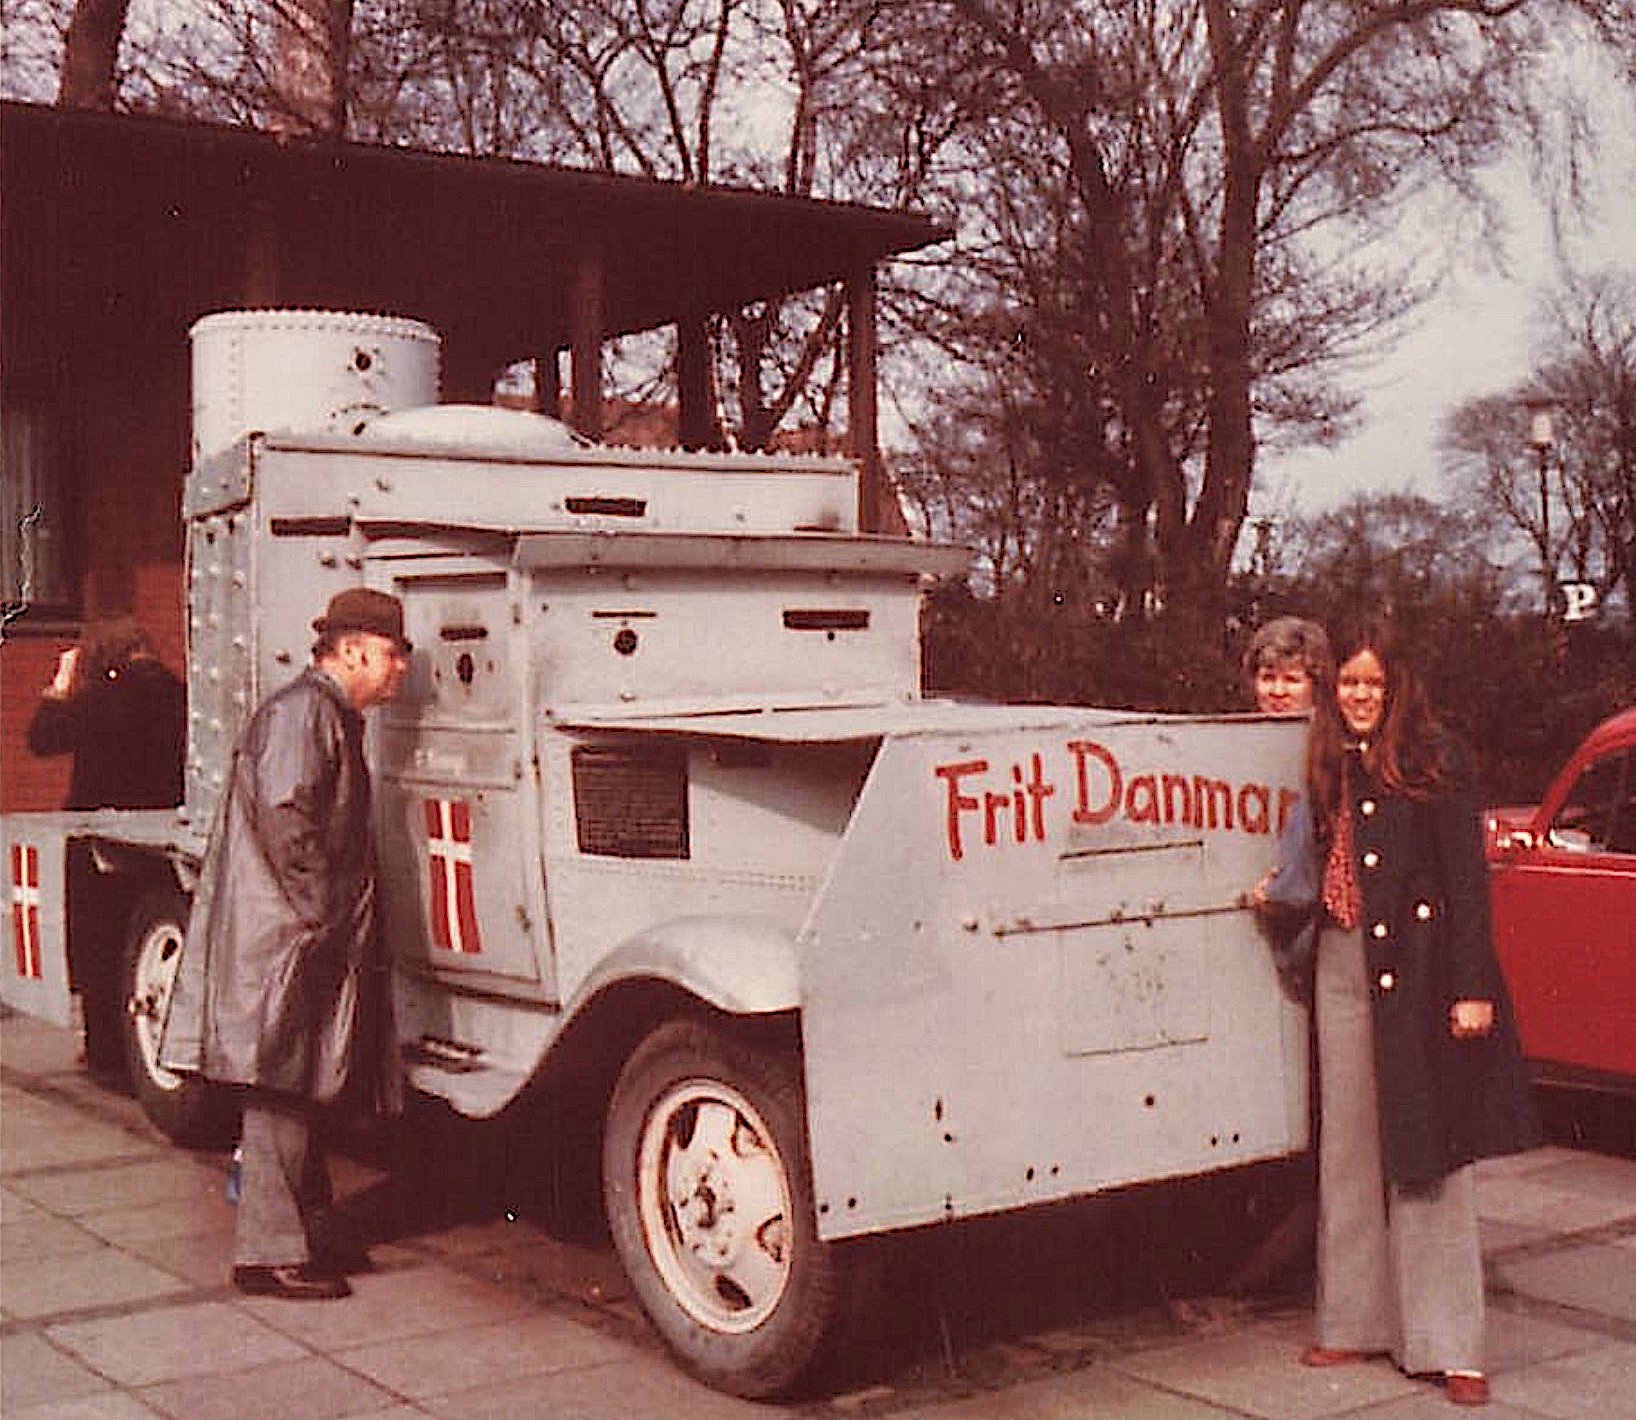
548	384
696	420
260	272
863	438
586	318
467	376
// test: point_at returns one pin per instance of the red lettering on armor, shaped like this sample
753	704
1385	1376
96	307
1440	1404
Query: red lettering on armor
1142	799
1174	785
1103	790
1254	808
952	774
1082	750
1213	802
994	805
1038	791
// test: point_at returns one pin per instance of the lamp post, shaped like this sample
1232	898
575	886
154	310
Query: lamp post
1542	439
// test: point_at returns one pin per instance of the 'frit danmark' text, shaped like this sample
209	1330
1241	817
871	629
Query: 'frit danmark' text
988	806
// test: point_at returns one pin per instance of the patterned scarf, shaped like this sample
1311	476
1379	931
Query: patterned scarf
1342	898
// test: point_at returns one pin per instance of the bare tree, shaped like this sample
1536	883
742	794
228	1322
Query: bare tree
1572	501
309	76
702	91
1172	212
91	53
280	64
1220	171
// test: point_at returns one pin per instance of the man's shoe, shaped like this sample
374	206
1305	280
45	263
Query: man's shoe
297	1282
1333	1356
1466	1387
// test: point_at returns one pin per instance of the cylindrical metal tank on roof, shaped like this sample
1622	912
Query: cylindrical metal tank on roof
273	369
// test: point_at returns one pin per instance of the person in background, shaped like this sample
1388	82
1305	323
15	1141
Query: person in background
1419	1068
283	989
120	712
1286	657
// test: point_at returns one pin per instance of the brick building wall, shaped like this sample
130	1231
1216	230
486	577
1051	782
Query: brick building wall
26	781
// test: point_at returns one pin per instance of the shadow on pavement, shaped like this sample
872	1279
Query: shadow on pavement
938	1303
442	1170
959	1301
953	1300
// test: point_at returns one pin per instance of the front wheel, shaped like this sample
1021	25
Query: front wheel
709	1199
184	1108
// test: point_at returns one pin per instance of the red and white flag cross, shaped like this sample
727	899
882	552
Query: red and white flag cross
25	908
449	861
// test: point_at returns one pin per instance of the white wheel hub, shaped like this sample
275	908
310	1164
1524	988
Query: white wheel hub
715	1205
157	961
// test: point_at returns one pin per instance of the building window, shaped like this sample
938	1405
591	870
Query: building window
34	551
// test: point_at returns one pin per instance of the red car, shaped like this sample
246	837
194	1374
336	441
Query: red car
1563	881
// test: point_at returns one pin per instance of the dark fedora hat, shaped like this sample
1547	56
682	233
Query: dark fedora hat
364	609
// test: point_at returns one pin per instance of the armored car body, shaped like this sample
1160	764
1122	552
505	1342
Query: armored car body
666	825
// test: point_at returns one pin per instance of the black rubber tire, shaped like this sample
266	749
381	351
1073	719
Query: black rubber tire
755	1347
186	1109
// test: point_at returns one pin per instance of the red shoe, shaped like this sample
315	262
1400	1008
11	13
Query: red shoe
1466	1387
1333	1356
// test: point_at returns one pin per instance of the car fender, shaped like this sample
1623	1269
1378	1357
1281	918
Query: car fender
745	966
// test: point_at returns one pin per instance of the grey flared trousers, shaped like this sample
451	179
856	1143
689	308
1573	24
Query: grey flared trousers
1400	1270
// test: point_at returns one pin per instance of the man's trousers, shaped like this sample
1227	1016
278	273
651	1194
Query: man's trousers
284	1188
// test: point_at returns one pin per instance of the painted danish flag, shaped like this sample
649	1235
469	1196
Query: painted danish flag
449	861
25	908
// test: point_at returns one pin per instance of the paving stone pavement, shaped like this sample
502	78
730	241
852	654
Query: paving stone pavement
114	1303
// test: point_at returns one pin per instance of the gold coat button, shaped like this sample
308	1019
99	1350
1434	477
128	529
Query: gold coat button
1387	981
1371	859
1378	930
1423	910
1367	808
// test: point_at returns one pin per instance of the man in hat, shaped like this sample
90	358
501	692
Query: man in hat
283	990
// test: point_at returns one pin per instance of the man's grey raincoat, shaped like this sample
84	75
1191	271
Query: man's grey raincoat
283	985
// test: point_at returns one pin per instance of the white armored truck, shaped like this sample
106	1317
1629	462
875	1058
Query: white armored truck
665	822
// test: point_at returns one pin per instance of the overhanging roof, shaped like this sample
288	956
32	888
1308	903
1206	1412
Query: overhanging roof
115	227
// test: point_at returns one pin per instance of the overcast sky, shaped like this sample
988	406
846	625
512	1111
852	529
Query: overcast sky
1476	337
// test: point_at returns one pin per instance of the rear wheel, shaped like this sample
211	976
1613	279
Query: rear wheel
184	1108
709	1199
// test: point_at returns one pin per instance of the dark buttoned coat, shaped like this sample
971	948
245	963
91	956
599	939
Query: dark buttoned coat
1444	1102
282	984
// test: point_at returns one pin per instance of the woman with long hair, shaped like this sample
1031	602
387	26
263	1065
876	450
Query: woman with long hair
1419	1070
